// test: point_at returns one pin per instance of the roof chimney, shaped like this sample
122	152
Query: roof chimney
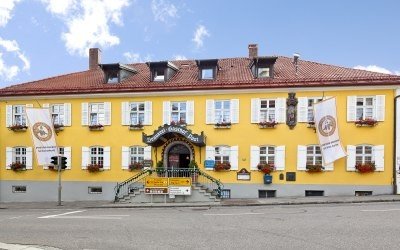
94	58
253	50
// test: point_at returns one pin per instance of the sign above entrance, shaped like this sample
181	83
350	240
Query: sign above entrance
170	131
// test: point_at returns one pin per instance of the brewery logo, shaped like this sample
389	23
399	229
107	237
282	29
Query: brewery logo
42	131
327	126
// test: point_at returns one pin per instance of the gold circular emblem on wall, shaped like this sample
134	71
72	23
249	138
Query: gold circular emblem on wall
327	126
42	131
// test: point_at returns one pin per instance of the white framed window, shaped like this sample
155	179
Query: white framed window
136	154
19	115
133	154
310	108
19	154
97	155
263	72
365	107
268	110
137	112
314	156
178	112
364	154
267	154
159	75
223	153
57	114
222	109
305	109
96	113
207	73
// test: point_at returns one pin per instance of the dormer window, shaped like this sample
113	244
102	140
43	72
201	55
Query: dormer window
112	77
263	67
116	73
159	75
207	69
162	71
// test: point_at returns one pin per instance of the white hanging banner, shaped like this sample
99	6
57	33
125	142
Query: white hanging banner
326	125
43	134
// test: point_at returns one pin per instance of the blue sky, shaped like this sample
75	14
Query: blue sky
44	38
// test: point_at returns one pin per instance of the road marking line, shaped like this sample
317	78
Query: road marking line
17	217
90	217
56	215
381	210
233	214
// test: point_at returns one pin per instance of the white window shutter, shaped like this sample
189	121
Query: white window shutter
148	113
255	110
107	158
280	158
125	113
29	158
190	112
67	114
379	156
107	113
380	108
125	157
9	157
235	111
351	158
280	110
302	111
68	154
210	154
166	112
46	105
351	108
147	153
329	167
9	115
85	157
210	115
234	157
301	157
85	114
254	157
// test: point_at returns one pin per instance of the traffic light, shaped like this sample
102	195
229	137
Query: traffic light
63	162
54	161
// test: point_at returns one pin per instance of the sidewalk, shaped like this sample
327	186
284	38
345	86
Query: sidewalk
223	203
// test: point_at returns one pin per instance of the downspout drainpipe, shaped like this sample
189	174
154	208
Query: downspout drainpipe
395	146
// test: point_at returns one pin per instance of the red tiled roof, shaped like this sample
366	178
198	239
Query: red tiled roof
233	73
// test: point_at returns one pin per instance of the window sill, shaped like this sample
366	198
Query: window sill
18	129
267	126
96	128
366	123
136	127
222	127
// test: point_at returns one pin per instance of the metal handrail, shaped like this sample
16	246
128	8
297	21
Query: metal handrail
198	178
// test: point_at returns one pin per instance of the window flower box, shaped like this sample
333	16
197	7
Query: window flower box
223	125
311	124
314	168
137	126
366	167
271	124
58	127
96	127
181	123
52	167
18	128
366	122
17	166
94	168
266	168
220	166
136	166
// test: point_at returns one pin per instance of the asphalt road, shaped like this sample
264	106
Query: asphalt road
346	226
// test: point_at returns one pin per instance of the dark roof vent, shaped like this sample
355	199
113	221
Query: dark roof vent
296	62
116	73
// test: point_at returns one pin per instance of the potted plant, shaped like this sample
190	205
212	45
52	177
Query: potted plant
220	166
137	126
18	127
58	127
314	168
367	122
96	127
94	168
267	124
266	168
178	123
52	167
160	170
223	124
366	167
136	166
17	166
311	124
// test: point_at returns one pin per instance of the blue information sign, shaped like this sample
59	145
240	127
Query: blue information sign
209	163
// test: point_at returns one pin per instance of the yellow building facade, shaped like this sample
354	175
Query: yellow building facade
243	126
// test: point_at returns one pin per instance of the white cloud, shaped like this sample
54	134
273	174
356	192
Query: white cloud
131	57
397	73
9	72
374	68
88	22
179	57
164	11
6	7
199	35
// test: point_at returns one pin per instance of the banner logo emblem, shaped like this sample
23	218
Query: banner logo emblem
42	131
327	126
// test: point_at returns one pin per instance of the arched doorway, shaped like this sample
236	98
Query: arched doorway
177	154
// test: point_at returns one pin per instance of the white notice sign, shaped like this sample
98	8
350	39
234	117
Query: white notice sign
180	190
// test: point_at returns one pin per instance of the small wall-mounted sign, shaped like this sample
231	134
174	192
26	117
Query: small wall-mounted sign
243	175
209	163
147	163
